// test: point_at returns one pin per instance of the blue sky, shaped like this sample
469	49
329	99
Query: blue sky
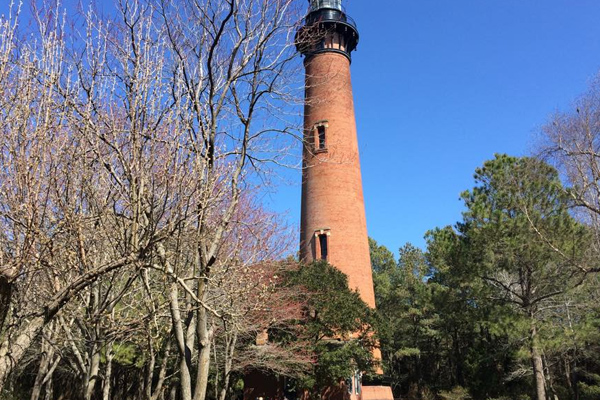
440	86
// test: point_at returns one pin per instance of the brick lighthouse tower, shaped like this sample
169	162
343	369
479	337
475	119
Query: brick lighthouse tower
333	224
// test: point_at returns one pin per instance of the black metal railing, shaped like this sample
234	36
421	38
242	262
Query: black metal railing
330	15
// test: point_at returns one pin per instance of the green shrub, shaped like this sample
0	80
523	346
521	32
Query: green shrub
457	393
589	392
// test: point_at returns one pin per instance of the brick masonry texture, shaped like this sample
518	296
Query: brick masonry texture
332	196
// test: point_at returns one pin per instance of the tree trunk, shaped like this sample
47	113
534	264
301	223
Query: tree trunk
573	379
162	375
205	337
571	370
537	363
45	368
5	297
107	373
92	373
156	392
552	393
460	379
49	391
93	369
230	352
11	352
184	351
45	358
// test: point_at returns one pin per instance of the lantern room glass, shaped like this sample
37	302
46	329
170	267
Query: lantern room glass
318	4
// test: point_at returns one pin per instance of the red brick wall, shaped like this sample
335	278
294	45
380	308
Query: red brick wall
332	196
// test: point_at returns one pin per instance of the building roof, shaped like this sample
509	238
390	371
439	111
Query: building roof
377	393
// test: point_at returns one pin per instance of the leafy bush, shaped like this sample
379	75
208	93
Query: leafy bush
589	392
457	393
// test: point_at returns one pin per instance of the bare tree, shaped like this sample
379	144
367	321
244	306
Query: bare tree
46	219
129	152
571	142
229	61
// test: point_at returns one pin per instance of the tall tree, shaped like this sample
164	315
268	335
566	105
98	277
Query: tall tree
523	242
570	141
408	329
478	342
502	296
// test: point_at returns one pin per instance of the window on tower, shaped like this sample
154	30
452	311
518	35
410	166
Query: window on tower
328	44
322	145
317	138
323	246
342	43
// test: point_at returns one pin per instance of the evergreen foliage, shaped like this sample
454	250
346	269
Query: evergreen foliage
499	305
337	322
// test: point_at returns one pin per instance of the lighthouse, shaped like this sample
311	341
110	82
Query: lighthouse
333	225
